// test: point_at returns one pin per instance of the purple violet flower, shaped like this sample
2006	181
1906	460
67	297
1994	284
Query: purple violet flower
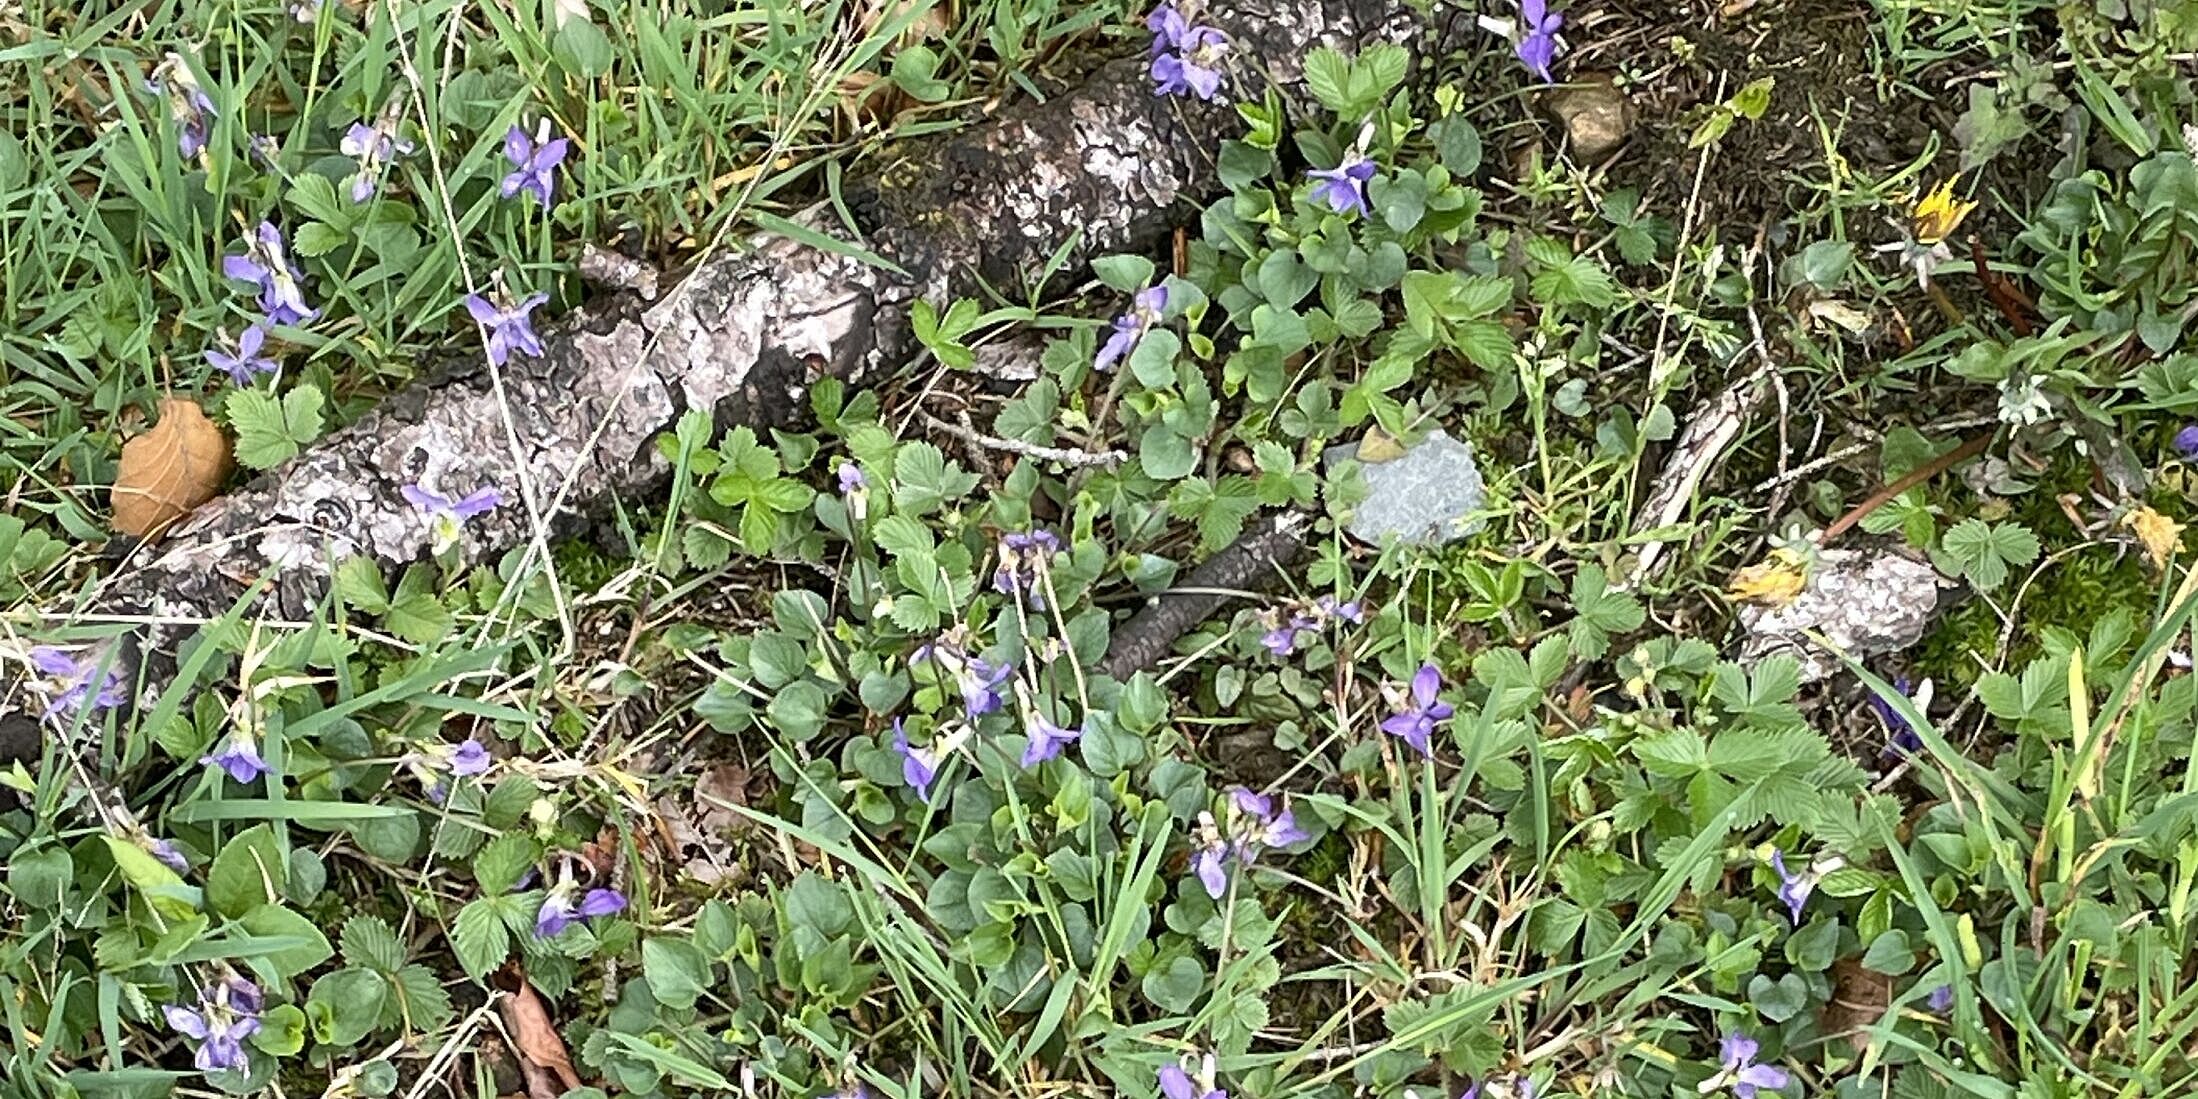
855	489
226	1014
558	911
1795	888
1178	1084
239	756
1196	68
1900	737
375	146
469	758
1251	826
189	107
1738	1070
509	327
1328	606
266	263
68	684
1046	740
1416	724
1285	637
1168	27
535	162
980	683
918	766
1516	1086
447	517
1186	57
1537	43
1210	865
2186	442
1940	999
247	363
1262	826
1023	556
1146	309
1343	187
167	852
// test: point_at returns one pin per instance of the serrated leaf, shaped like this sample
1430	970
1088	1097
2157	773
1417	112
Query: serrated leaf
903	536
420	997
270	432
316	238
479	938
1679	753
368	942
1328	76
505	860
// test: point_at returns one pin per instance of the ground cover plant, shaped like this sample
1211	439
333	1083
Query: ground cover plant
823	774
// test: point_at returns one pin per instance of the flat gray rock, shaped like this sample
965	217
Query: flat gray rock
1424	497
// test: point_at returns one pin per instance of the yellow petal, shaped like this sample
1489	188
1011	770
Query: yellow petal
1775	581
2161	535
1940	213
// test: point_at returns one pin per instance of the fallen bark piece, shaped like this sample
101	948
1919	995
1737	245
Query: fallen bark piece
1104	167
1253	563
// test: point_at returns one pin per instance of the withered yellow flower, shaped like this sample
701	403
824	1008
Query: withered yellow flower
1939	213
1774	581
2161	535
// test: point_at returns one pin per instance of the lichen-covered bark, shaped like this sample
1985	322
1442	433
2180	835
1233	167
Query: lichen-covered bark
1105	165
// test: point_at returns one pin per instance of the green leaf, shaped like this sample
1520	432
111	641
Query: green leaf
39	877
1152	361
281	1032
676	970
1175	986
275	921
249	872
367	941
1328	76
270	432
315	196
1381	68
1127	274
1283	279
317	238
499	865
1983	552
1459	145
915	71
479	938
421	1000
1779	1000
349	1003
923	479
584	50
1165	455
1677	753
1890	954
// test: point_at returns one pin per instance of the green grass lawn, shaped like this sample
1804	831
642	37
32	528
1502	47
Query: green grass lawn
804	780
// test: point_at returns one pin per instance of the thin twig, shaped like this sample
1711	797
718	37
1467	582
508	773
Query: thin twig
968	433
1915	477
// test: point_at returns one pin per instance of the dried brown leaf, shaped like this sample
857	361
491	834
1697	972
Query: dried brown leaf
178	465
1859	999
536	1037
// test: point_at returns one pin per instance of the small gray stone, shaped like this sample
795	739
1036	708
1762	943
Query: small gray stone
1426	496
